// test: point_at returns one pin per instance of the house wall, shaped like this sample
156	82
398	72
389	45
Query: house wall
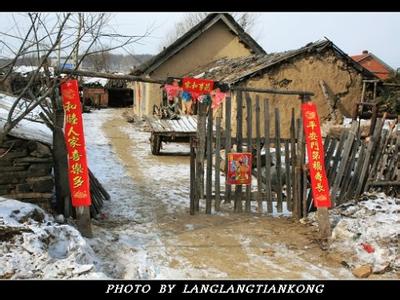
217	42
99	96
304	73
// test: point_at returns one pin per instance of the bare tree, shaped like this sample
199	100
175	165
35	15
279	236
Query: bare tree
100	61
74	36
246	20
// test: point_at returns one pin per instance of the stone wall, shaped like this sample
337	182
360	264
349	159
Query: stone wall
26	171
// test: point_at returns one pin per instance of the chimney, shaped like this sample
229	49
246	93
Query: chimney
365	52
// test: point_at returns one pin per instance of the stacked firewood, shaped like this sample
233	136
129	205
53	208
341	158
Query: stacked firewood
98	195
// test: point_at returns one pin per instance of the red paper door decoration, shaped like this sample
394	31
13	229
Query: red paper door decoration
315	152
239	168
75	140
197	86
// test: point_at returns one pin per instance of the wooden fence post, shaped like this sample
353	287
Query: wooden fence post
267	156
209	158
200	147
228	145
239	136
218	160
293	161
83	221
192	177
258	145
249	147
322	212
278	160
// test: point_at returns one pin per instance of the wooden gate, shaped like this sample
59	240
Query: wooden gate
279	183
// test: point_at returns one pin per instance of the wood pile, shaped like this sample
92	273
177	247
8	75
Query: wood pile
98	195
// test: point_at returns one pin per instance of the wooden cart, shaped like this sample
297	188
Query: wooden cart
166	130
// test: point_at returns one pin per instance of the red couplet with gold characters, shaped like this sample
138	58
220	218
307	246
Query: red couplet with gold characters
239	168
75	139
315	152
201	86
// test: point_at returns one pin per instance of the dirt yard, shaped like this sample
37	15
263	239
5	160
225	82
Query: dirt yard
146	231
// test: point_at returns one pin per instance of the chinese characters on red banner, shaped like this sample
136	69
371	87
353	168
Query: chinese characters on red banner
239	168
315	152
74	137
201	86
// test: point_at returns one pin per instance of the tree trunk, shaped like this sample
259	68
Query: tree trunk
61	167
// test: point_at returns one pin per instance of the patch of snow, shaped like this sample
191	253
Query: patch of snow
24	70
199	75
28	128
374	222
91	80
40	248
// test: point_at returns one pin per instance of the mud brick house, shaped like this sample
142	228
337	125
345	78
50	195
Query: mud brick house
217	36
375	65
319	67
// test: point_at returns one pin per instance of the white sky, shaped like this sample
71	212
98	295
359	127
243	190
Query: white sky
352	32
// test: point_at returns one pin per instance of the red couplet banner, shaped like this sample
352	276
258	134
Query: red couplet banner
315	152
239	168
202	86
75	139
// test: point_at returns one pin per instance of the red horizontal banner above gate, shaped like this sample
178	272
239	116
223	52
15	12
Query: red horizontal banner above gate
202	86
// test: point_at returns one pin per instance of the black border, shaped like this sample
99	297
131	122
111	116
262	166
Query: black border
202	5
89	289
96	289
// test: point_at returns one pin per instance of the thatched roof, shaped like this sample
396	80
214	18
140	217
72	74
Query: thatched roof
238	69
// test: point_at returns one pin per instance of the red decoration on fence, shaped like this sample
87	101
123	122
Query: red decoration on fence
200	86
75	140
239	168
315	151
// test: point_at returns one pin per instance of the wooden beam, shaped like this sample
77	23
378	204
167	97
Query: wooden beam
158	81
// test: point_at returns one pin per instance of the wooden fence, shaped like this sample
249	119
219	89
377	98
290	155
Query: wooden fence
282	180
353	165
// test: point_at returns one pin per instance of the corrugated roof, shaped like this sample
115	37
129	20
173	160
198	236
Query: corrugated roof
237	69
192	34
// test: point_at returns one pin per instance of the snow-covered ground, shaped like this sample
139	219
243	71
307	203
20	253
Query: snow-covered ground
127	238
34	246
147	232
367	232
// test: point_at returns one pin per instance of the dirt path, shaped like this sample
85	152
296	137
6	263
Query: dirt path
150	234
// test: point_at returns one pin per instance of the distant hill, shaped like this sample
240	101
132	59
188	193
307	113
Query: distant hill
105	62
114	62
